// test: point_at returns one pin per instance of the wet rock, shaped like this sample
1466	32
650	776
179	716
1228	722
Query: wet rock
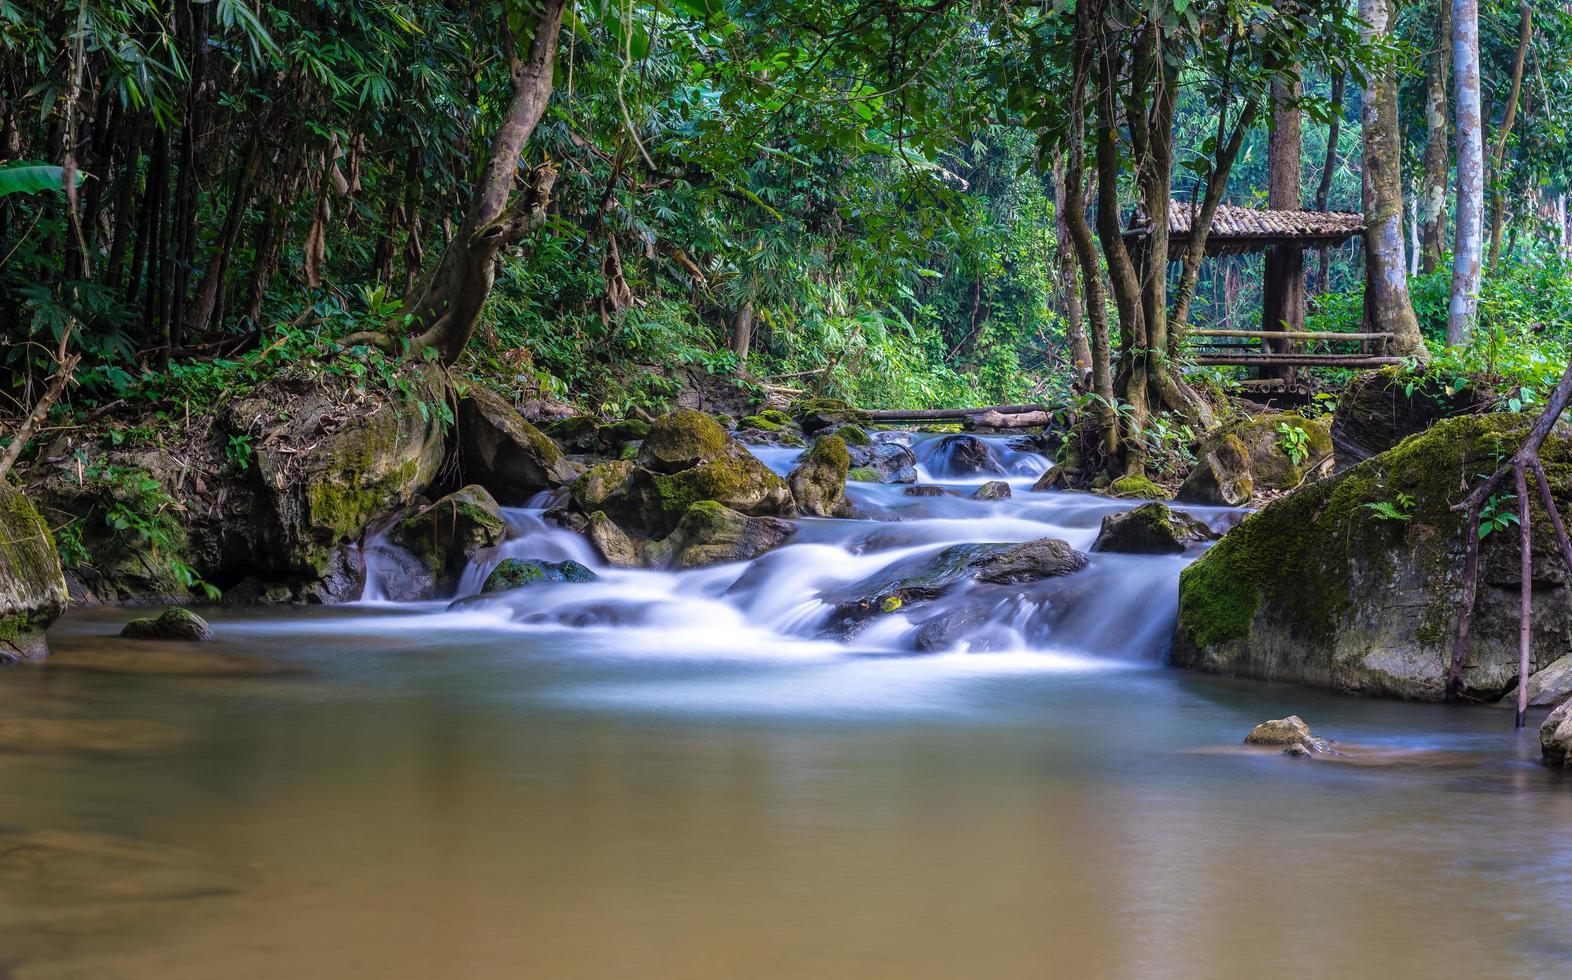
1030	562
1150	529
681	440
963	455
174	623
927	490
436	544
1321	588
1290	731
1551	684
611	542
1221	475
32	585
1056	478
948	628
814	415
516	573
574	434
508	456
1136	488
712	534
883	462
1379	409
1555	737
819	481
992	490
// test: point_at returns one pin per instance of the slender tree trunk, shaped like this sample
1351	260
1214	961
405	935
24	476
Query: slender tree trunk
1387	305
1432	196
443	318
200	311
1466	254
1323	192
1069	280
1283	289
742	336
1525	34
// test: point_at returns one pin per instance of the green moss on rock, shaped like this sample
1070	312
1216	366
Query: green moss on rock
32	585
1136	488
682	439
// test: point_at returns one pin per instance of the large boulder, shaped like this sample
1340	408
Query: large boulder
814	415
882	462
431	548
713	534
505	454
175	623
1353	583
962	455
1272	452
1551	684
1150	529
1379	409
819	481
687	459
32	586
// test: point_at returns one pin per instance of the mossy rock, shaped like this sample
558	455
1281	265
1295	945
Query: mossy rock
1150	529
504	453
613	543
1379	409
175	623
682	439
32	585
760	423
863	474
516	573
853	435
574	434
814	415
1271	452
992	490
437	543
713	534
819	482
1319	588
1221	476
1136	488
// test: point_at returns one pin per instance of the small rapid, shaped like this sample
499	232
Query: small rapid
790	601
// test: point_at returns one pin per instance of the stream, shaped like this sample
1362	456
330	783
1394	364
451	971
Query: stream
697	775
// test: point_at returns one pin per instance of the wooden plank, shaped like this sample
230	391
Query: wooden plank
1291	334
1294	360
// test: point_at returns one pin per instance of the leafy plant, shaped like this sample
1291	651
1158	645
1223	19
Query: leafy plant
1400	509
1294	442
1498	514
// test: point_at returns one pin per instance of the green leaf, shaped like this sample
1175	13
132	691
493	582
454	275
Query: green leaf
22	177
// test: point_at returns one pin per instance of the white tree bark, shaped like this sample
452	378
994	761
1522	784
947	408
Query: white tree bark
1467	253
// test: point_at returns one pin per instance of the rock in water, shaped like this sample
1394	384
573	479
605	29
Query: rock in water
32	585
962	455
515	573
1290	731
819	481
1555	737
1150	529
815	415
174	623
1352	583
1030	562
992	490
436	543
1552	684
712	534
883	462
927	490
508	456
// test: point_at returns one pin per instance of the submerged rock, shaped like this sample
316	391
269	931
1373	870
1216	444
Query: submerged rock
32	585
927	490
516	573
883	462
436	544
505	454
1353	583
819	481
962	455
992	490
1150	529
174	623
1290	731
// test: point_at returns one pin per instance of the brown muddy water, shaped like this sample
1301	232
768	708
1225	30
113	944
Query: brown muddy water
386	793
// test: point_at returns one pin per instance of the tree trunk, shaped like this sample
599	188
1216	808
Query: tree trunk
1283	289
1432	196
742	336
1069	281
200	311
1464	303
1387	305
443	317
1525	33
1323	193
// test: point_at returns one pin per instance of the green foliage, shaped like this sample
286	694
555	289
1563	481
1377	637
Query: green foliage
1497	514
1400	508
1294	442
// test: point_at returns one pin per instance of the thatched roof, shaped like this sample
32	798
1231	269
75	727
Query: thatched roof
1237	229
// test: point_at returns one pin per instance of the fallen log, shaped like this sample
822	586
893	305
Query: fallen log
1013	420
952	414
1294	360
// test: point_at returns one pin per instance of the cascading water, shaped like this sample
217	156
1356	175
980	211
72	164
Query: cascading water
1120	607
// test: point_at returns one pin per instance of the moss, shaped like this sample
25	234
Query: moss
731	480
1136	487
32	585
775	415
759	422
682	438
854	435
863	474
515	573
591	490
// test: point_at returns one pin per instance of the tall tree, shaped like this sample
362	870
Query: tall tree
1387	305
1525	34
1466	255
1437	162
1283	291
